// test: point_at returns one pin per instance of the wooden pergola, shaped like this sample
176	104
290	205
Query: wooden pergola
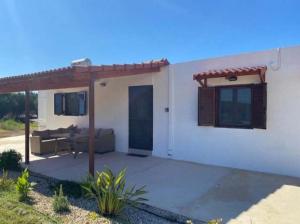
71	77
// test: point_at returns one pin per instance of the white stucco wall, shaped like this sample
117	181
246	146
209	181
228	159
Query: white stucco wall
275	150
177	134
111	109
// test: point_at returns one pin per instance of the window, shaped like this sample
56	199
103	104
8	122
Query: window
234	107
70	104
240	106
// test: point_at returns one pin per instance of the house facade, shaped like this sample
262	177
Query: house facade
159	113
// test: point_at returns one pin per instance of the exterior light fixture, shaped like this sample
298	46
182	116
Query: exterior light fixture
231	78
103	84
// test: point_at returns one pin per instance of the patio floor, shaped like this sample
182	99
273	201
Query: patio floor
195	190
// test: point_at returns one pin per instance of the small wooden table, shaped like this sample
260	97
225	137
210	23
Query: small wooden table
65	137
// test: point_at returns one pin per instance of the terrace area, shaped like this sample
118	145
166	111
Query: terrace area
195	190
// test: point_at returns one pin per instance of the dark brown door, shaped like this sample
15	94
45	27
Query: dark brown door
141	117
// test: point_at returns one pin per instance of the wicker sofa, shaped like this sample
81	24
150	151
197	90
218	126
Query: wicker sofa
42	142
104	140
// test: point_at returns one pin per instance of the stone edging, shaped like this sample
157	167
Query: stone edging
171	216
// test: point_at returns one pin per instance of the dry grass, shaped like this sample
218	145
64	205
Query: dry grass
10	127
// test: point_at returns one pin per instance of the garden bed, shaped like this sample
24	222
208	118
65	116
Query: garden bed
82	210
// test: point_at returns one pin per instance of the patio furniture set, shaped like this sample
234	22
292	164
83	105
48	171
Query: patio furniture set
72	139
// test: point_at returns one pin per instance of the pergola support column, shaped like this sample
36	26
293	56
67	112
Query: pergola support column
92	126
27	126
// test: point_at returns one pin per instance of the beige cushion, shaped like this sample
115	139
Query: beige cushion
84	132
98	132
53	132
42	134
107	131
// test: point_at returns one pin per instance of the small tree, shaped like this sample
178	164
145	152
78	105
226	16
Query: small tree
60	202
24	186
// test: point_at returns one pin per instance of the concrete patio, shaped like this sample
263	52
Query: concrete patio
195	190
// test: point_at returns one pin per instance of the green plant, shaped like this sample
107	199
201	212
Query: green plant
23	185
10	160
5	182
60	202
11	124
71	189
215	221
109	192
93	216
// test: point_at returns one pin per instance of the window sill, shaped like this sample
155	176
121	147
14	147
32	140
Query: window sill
233	127
64	115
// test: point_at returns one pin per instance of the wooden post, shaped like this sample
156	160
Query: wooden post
27	126
91	126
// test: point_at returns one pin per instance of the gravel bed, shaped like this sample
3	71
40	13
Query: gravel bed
83	210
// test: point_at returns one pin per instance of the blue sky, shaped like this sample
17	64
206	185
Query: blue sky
37	35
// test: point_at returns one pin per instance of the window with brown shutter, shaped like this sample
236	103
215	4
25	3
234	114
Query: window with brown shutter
58	103
236	106
70	104
206	106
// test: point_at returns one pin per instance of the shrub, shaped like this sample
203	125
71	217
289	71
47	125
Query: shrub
23	186
11	124
60	202
215	221
72	189
5	182
10	160
110	193
93	216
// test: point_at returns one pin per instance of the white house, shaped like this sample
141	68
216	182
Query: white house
158	112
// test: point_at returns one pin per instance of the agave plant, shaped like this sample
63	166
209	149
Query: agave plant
110	193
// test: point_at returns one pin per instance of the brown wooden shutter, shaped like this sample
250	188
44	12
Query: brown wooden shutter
58	103
259	106
206	106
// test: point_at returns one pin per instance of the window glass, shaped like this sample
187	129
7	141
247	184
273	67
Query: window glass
235	106
72	104
226	106
58	104
243	106
82	103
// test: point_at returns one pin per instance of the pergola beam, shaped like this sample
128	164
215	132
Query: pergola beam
92	126
27	125
72	79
